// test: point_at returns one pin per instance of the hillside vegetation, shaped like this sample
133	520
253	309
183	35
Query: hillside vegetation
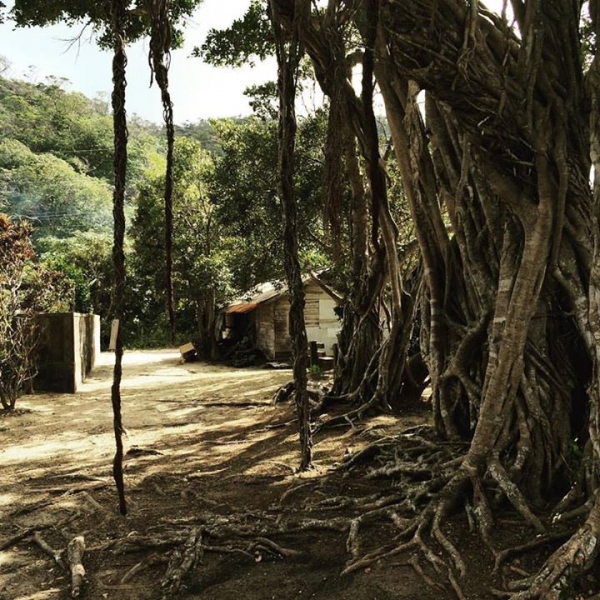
56	172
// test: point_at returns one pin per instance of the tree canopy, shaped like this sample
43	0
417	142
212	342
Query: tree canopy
98	16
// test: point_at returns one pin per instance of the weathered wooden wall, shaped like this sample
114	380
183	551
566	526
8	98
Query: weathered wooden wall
283	341
265	329
322	324
272	327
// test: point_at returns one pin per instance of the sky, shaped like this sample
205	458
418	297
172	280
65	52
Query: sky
199	91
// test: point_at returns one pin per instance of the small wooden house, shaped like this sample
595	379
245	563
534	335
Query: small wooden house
262	316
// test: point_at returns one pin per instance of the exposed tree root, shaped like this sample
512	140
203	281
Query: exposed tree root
151	561
414	563
349	418
74	560
429	485
56	555
91	500
502	556
182	562
577	555
421	485
265	545
25	533
75	551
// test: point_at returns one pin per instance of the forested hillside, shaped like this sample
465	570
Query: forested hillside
56	172
56	157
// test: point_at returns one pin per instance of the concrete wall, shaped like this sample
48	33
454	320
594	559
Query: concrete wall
69	346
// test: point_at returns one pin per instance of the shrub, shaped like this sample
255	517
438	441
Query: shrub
25	290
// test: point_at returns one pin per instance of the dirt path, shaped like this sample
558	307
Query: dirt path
207	452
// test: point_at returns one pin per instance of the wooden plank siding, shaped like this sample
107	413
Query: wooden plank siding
283	341
270	316
265	328
313	294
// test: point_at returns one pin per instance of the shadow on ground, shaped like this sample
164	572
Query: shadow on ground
206	451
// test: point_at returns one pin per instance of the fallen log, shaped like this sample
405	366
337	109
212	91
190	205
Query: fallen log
75	551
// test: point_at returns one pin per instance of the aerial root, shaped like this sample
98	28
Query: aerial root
513	494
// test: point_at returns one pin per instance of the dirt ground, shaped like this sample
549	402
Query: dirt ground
210	462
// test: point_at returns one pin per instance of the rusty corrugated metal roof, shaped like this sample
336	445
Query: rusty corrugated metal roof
266	292
261	294
243	307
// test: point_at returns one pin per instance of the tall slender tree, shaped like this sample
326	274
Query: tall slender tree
289	54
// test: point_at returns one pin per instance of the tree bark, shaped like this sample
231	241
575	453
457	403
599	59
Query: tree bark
120	172
496	178
289	53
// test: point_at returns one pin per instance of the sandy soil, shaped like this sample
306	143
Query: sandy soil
207	455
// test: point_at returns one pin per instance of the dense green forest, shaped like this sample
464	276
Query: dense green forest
56	173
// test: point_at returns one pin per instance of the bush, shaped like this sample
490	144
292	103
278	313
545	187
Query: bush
25	290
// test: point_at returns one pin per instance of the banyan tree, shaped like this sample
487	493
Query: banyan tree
494	128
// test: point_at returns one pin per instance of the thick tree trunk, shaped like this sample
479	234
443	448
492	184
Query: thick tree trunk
370	372
508	331
511	366
509	229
